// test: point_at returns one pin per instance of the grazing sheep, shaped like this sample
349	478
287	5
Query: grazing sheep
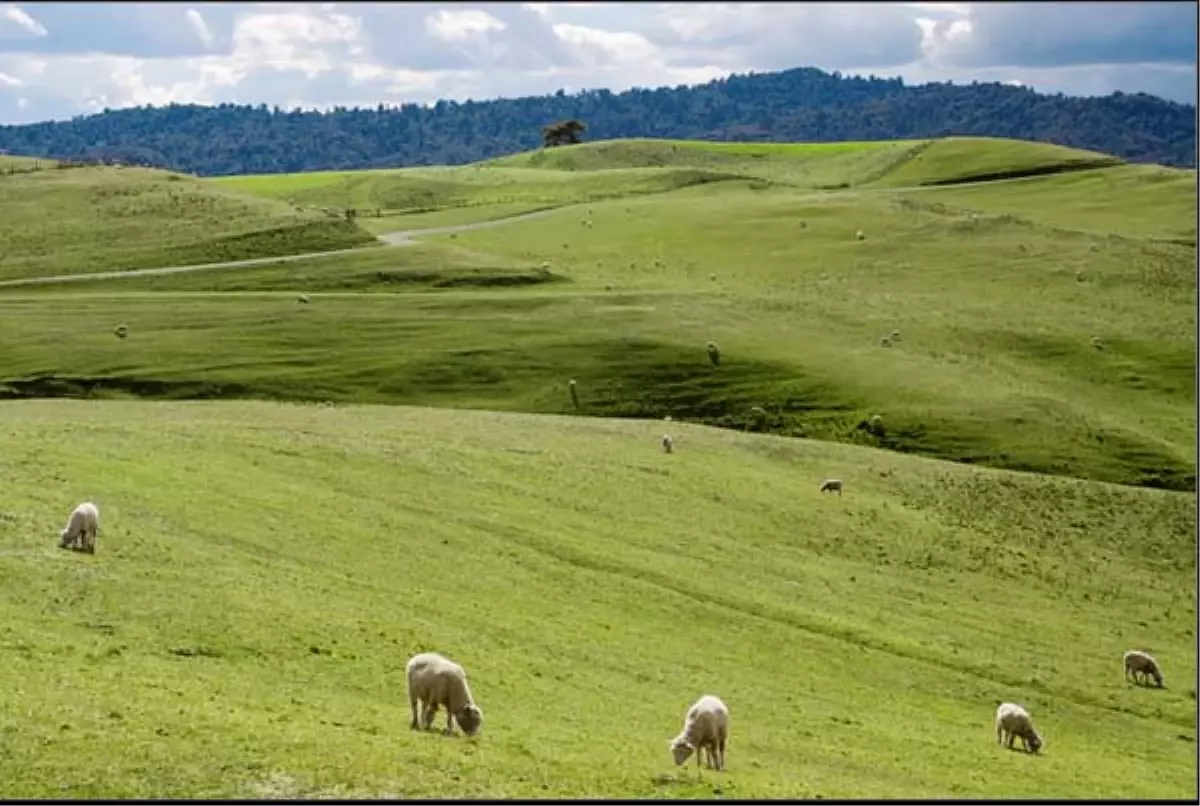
1012	721
885	342
1079	276
860	236
713	277
832	486
121	330
302	299
706	728
81	529
1140	665
714	353
1099	345
438	681
546	265
667	418
667	443
895	335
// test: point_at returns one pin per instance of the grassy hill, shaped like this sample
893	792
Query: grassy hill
90	219
265	570
994	286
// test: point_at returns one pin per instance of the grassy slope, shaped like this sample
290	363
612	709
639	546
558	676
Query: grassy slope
995	366
80	220
256	647
966	159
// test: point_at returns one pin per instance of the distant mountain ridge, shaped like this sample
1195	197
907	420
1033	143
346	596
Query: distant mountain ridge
802	104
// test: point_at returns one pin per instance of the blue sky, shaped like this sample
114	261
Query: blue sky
63	59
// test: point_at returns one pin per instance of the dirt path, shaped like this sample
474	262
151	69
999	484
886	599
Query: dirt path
390	239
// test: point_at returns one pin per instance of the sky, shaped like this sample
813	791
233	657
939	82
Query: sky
58	60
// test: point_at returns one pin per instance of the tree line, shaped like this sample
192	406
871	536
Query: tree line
803	104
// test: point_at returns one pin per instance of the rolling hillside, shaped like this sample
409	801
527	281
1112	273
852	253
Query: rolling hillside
87	219
264	571
629	271
311	469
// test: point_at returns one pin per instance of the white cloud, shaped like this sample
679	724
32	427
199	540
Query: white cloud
200	26
461	26
606	47
14	13
72	58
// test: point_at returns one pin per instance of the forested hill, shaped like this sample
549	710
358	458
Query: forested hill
804	104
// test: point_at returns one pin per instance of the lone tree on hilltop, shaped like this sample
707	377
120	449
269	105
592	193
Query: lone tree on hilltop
563	133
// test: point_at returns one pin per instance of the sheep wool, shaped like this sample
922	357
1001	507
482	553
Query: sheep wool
81	529
832	486
705	728
1013	721
1141	665
436	681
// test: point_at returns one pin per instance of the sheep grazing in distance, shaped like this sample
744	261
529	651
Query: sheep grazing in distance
1140	665
713	277
667	418
714	353
860	236
668	444
885	342
302	299
895	336
437	681
705	728
832	486
81	529
121	330
1012	721
546	265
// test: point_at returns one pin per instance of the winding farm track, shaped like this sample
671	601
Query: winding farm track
390	239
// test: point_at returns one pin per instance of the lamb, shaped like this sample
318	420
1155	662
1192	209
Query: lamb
832	486
438	681
1012	721
668	444
81	528
1140	665
706	728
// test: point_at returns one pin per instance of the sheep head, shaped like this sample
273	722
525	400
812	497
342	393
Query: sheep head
681	749
1034	741
470	718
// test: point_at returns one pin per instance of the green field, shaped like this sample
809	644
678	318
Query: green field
94	219
264	571
1023	513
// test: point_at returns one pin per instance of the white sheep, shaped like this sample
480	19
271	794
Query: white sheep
438	681
895	335
81	529
832	486
121	331
1140	665
859	235
302	299
705	728
1012	721
667	443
